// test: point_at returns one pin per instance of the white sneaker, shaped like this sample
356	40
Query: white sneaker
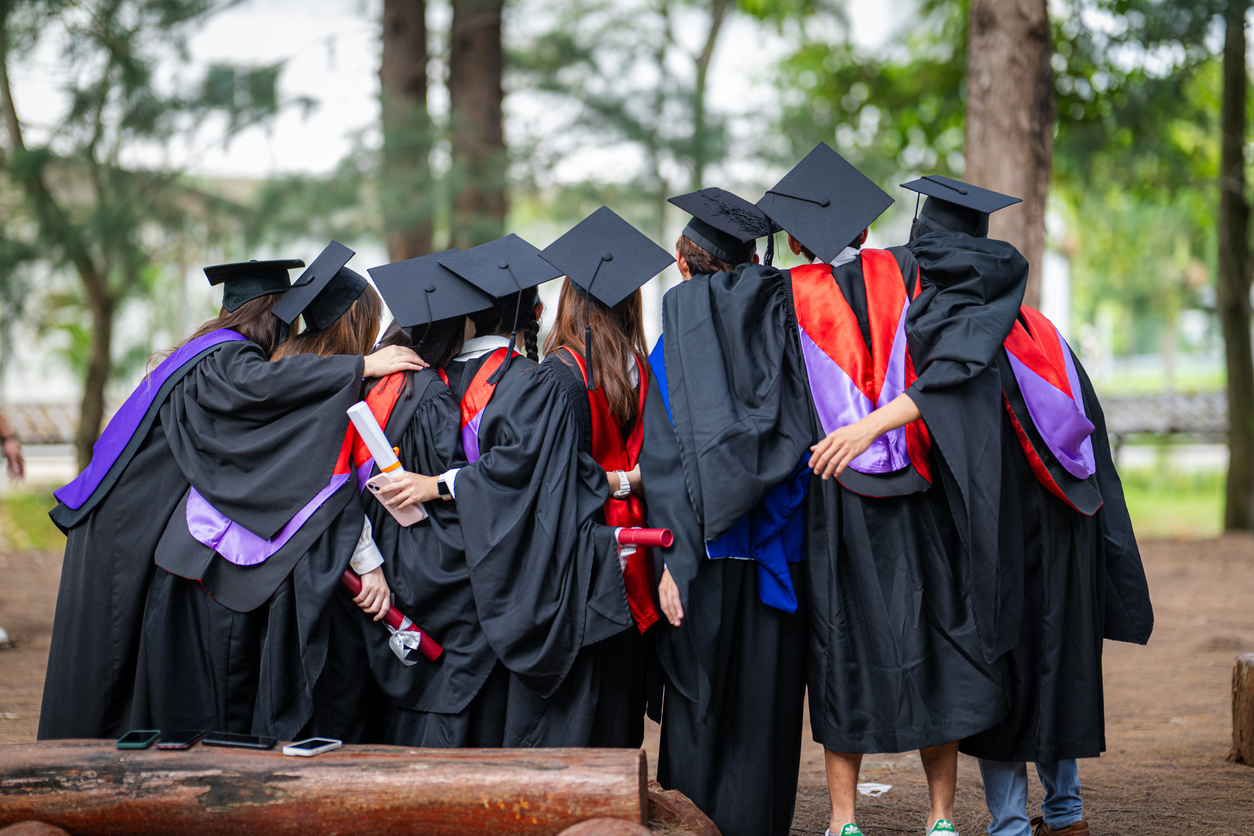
943	827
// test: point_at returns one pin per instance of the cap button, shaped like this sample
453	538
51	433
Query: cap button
504	265
430	288
824	202
608	256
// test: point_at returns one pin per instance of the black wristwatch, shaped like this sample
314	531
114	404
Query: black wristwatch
442	488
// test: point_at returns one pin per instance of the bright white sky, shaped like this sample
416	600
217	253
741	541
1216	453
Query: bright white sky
331	49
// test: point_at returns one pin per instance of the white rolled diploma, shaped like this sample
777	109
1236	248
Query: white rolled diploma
385	457
376	442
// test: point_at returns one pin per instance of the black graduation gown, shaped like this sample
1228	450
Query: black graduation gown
969	295
458	700
255	415
1083	580
544	570
240	648
890	668
735	668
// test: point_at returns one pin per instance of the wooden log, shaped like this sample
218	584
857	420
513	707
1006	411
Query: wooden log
676	810
1243	710
606	827
90	788
32	828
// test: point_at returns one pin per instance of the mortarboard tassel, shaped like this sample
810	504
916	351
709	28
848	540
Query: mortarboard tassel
499	374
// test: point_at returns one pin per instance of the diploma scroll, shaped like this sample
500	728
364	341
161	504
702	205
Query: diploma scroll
385	457
651	537
405	635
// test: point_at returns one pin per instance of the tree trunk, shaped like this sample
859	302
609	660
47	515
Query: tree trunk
1243	710
1234	277
475	66
407	190
99	365
1010	120
90	788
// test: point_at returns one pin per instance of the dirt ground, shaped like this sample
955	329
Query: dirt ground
1167	706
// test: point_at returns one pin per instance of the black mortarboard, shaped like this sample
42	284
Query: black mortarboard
606	257
824	202
420	291
955	206
724	225
502	268
324	291
247	280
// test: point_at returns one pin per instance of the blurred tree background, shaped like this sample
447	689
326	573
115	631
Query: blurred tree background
500	115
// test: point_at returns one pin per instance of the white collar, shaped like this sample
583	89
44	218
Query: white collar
479	346
847	255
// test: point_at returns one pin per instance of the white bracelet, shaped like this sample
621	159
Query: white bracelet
624	485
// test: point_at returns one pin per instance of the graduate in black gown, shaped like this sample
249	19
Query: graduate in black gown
115	512
555	603
733	646
236	632
459	700
764	365
1082	575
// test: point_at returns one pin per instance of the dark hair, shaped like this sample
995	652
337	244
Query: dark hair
499	320
353	333
441	342
700	262
617	339
253	319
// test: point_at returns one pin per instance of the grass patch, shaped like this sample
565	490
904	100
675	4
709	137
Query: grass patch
1174	505
24	522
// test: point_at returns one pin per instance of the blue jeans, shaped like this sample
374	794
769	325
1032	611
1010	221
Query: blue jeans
1006	791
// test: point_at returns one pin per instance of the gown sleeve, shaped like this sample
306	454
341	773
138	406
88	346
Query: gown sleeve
258	440
542	565
738	389
971	290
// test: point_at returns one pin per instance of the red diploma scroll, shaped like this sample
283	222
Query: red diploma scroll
395	618
652	537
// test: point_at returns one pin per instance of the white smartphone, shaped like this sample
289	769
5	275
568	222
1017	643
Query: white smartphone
312	746
406	516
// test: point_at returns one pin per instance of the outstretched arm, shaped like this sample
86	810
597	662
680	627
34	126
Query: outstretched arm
831	455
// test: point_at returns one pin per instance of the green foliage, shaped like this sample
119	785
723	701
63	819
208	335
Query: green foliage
24	523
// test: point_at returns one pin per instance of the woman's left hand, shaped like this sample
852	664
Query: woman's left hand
832	455
375	598
408	489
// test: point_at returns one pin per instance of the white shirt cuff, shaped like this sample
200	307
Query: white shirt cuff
366	557
449	477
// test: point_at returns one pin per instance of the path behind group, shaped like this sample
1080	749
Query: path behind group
1167	706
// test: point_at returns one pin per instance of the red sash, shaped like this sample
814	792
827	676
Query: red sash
612	453
848	380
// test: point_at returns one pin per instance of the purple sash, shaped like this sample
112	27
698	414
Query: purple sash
126	421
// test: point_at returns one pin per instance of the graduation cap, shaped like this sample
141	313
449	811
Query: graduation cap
502	268
955	206
824	202
421	291
606	257
247	280
324	291
724	225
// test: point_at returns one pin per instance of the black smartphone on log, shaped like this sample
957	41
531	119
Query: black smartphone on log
238	741
180	739
138	739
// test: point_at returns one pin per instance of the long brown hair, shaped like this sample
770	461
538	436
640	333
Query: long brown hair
253	319
353	333
617	338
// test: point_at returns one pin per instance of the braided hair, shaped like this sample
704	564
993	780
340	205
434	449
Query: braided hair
500	318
